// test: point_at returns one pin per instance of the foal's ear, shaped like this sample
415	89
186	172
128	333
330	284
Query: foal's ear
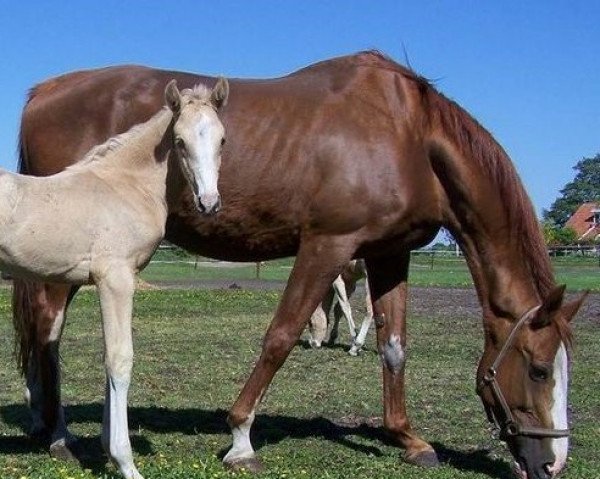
172	96
220	92
549	308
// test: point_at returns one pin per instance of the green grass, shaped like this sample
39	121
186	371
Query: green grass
577	272
194	350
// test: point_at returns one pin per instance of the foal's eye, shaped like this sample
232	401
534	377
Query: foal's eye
179	143
539	373
222	141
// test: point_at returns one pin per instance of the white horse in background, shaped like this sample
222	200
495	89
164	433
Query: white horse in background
113	206
337	301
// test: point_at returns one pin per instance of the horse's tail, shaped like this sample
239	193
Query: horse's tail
23	321
23	290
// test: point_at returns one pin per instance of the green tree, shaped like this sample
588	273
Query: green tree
556	236
585	187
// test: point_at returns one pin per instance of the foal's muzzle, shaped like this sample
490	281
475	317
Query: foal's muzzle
209	204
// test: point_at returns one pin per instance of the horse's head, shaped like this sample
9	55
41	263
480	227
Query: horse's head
198	137
523	379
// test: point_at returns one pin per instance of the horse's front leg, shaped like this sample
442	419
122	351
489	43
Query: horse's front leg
116	290
387	279
39	314
318	262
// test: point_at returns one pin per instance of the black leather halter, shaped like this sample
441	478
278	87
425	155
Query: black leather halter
509	427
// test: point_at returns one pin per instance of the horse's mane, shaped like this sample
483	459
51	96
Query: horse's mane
477	144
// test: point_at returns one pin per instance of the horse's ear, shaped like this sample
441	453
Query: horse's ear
220	93
172	96
549	307
570	309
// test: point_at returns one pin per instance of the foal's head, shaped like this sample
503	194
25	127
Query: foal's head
198	136
523	379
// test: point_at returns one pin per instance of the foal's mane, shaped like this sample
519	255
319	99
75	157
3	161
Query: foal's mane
116	144
478	145
199	93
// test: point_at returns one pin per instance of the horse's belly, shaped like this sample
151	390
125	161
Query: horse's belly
41	266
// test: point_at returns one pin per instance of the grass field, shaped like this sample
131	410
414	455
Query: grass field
321	417
577	272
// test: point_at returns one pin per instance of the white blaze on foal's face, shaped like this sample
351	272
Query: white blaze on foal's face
198	137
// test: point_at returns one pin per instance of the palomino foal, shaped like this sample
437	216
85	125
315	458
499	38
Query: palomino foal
337	300
113	207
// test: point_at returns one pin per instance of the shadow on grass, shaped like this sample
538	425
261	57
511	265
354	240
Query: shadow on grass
268	429
478	461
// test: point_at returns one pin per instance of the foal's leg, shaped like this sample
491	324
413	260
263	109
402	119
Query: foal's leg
47	306
116	290
343	306
387	278
318	262
360	338
317	327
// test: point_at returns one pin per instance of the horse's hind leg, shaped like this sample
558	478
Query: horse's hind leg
42	311
318	262
116	289
387	278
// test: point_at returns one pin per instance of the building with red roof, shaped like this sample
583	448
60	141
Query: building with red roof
586	222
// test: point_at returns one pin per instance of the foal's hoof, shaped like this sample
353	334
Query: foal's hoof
63	452
423	459
251	464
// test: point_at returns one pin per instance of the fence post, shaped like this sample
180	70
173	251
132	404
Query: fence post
258	270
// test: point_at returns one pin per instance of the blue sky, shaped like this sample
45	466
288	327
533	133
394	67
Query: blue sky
527	70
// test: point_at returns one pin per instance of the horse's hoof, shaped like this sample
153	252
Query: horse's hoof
63	452
423	459
251	464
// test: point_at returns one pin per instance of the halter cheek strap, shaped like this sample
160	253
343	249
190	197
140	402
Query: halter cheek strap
510	427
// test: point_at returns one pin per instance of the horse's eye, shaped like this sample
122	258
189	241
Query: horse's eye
222	141
539	373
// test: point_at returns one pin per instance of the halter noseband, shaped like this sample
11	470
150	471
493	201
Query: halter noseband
510	427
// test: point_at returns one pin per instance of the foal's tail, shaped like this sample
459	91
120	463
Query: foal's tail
23	295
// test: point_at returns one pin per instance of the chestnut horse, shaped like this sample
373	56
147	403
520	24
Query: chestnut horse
351	157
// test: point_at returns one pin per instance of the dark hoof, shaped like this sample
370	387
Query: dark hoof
63	452
423	459
252	465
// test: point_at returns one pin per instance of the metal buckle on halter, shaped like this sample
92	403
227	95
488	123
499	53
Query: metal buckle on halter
490	375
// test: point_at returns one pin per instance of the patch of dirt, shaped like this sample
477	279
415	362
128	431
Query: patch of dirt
453	302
